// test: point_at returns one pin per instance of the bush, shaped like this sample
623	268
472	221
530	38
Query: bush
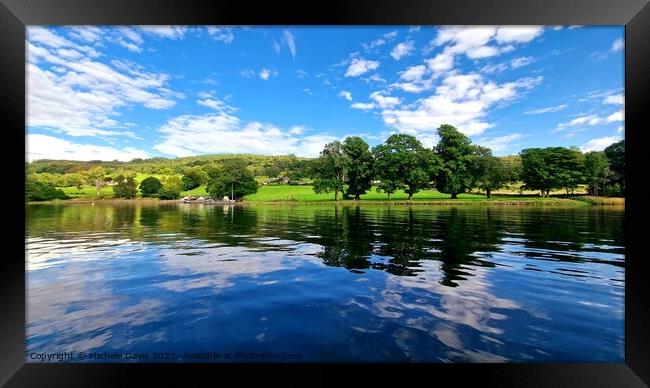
38	191
125	187
150	187
171	188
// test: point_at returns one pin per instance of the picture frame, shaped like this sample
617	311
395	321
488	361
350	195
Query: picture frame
634	14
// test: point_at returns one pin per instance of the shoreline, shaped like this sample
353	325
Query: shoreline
585	201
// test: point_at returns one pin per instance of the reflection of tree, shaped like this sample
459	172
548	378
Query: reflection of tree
404	238
149	216
347	239
463	234
558	232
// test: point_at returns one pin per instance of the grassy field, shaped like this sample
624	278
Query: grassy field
287	193
271	193
88	192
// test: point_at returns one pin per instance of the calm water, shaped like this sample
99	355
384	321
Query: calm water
326	283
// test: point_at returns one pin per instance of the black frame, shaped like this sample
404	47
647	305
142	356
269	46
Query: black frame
634	14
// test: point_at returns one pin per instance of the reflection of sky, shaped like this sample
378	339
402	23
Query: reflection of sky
102	291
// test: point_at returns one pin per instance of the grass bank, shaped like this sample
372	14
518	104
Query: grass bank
305	194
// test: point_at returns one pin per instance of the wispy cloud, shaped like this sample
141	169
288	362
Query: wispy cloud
402	49
500	143
290	39
221	34
550	109
599	144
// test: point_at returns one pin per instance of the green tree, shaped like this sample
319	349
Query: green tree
458	157
596	172
551	168
125	187
171	188
193	178
36	190
616	156
329	170
566	167
360	166
402	162
150	187
234	178
494	174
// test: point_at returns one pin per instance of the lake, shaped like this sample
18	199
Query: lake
377	283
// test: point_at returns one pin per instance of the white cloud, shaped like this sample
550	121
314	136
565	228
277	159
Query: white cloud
130	34
46	37
591	120
215	104
224	133
87	34
495	68
247	73
169	32
387	37
521	62
345	94
618	44
129	45
362	106
49	147
413	73
441	62
383	101
291	42
599	144
265	74
301	73
500	143
518	34
359	66
221	34
549	109
402	49
82	96
617	99
461	100
297	130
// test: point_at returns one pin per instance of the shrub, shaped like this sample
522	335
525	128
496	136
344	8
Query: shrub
150	187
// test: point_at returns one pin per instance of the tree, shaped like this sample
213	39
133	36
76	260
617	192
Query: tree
616	156
566	167
458	157
171	188
193	178
125	187
36	190
330	169
360	166
494	174
386	170
596	172
150	187
551	168
235	178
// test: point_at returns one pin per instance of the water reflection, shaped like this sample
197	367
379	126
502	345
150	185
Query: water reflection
382	283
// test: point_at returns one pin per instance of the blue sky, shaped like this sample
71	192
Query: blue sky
125	92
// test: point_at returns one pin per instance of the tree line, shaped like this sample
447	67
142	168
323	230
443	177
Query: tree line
349	169
455	166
